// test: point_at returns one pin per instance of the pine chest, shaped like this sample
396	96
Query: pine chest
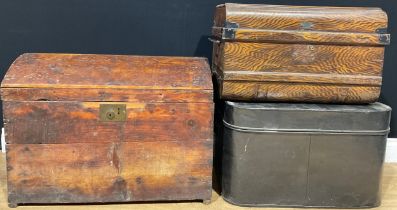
304	155
299	53
107	128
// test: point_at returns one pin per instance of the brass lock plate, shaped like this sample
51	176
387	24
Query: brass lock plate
112	112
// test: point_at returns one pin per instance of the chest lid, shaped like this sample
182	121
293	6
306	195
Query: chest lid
281	23
319	118
88	77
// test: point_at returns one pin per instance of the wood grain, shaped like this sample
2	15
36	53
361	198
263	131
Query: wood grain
314	37
284	48
312	78
60	151
319	67
109	172
115	94
78	71
283	17
298	92
301	58
78	122
389	198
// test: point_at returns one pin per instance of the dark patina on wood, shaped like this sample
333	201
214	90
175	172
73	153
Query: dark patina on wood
61	150
299	53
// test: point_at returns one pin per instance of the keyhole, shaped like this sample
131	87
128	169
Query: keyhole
110	115
112	112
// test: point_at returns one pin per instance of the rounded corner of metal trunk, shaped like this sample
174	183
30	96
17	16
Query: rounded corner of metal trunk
370	119
232	201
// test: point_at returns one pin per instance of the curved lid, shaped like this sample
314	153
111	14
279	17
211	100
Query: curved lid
42	70
288	17
308	24
307	117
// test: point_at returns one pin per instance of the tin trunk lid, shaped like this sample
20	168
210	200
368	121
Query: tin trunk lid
327	118
283	23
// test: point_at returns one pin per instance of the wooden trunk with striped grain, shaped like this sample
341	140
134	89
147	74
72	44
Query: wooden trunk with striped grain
299	53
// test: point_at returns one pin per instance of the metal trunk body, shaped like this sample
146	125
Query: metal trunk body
304	155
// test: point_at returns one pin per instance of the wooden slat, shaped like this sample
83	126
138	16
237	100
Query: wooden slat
95	94
302	58
299	92
45	122
109	172
303	78
104	87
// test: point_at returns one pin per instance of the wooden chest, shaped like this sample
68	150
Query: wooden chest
107	128
299	53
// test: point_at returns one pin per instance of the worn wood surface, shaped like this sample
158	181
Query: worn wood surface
77	122
108	75
293	53
60	151
116	94
109	172
389	198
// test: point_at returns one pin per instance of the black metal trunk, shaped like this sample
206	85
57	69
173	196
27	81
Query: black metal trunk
304	155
